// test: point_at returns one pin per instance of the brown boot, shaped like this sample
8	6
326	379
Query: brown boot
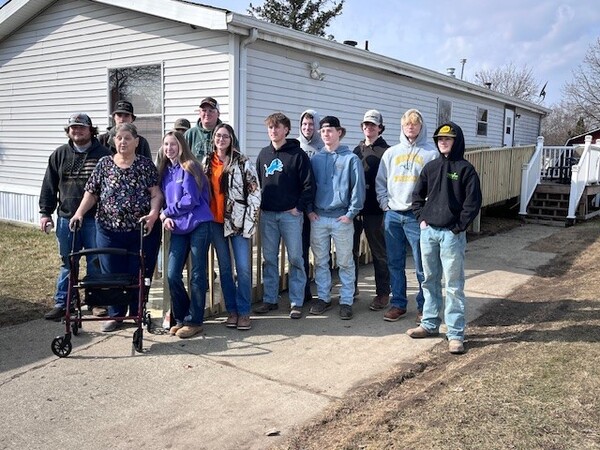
420	332
379	302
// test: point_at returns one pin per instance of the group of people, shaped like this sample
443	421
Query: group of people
413	194
307	192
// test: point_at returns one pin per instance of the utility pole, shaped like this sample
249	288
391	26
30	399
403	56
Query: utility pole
462	69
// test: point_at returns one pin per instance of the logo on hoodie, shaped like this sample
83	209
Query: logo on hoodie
275	166
453	176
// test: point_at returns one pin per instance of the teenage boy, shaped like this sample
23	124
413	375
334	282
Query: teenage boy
396	178
339	197
447	198
287	185
123	113
311	143
370	219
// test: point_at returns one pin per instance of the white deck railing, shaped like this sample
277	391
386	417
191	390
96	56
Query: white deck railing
584	173
555	163
530	177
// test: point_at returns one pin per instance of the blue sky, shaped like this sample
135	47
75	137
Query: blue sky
550	36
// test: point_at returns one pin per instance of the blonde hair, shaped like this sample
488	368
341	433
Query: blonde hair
413	116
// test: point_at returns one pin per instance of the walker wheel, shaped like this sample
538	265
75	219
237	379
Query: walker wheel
148	322
61	347
138	340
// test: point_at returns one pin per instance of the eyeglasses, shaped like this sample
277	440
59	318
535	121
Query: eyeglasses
222	136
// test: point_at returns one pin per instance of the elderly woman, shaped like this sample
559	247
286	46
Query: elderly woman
235	202
187	216
125	188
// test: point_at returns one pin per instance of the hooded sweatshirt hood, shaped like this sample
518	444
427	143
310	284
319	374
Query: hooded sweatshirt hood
400	168
421	140
458	147
312	145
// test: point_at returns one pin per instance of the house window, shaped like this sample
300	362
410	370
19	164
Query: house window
482	121
140	85
444	111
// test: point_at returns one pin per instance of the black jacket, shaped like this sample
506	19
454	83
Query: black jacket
286	177
65	178
370	156
448	193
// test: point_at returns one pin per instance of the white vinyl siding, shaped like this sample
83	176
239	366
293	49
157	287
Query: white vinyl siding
58	64
280	81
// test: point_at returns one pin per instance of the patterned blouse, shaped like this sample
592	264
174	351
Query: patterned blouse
123	193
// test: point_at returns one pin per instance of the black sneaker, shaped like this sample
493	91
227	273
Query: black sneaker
265	307
55	313
320	307
346	312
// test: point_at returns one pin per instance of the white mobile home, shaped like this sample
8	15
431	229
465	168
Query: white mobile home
64	56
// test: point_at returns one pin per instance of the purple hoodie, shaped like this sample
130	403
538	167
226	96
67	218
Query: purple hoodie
185	203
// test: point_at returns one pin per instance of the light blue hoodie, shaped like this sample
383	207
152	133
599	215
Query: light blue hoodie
340	182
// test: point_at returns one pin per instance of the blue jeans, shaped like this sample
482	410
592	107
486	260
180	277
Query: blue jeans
86	238
196	242
443	254
322	231
130	241
237	299
402	229
275	226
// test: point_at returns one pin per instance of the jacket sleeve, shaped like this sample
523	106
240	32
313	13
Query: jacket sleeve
381	184
419	195
472	202
254	195
307	182
358	189
190	197
49	191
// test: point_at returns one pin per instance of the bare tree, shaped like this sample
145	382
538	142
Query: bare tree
310	16
512	80
584	91
562	123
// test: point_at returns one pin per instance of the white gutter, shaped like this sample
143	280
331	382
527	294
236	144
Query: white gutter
242	92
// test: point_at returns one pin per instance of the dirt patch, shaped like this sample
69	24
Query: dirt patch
528	380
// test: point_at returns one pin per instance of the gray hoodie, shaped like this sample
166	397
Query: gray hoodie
312	145
400	168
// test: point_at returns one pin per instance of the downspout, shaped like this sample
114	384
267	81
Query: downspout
243	103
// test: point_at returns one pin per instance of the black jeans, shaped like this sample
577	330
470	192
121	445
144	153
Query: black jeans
372	224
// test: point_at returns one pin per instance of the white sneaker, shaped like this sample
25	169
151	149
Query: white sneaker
109	325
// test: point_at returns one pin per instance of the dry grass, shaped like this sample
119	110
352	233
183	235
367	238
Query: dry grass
28	269
528	381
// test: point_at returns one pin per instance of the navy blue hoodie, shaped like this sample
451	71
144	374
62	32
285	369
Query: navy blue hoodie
448	193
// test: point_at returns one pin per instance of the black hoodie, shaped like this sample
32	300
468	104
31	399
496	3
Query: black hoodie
285	177
448	193
370	156
65	178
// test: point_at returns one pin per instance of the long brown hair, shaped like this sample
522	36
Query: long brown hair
224	181
187	160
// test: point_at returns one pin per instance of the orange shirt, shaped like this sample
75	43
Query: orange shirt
217	199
